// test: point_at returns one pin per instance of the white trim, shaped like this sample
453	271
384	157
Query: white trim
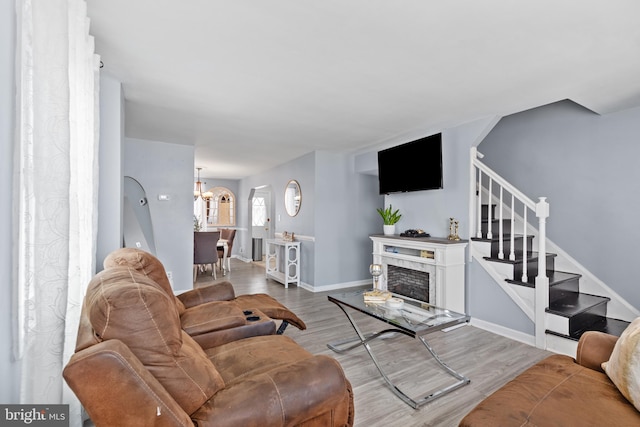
503	331
508	288
337	286
298	237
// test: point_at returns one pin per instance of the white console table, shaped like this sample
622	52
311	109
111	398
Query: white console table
283	261
443	259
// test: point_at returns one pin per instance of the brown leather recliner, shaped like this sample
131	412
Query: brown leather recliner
209	324
190	303
144	369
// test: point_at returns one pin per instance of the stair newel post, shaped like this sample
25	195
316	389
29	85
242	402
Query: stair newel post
542	281
475	187
500	230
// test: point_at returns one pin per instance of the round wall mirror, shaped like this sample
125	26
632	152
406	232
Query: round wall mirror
292	197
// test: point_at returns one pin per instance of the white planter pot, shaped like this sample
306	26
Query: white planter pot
389	230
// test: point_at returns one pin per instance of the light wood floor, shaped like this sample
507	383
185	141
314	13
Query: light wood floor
489	360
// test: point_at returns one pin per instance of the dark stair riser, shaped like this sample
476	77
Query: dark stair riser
532	267
485	212
606	325
506	246
559	291
587	320
495	227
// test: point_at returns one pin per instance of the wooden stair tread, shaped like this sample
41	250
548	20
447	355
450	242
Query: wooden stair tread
533	256
506	237
555	278
572	303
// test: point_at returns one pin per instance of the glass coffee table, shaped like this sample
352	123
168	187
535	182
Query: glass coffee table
414	318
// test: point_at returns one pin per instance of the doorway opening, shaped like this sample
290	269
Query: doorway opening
261	211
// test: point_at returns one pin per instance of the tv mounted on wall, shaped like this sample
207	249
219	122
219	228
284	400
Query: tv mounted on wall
413	166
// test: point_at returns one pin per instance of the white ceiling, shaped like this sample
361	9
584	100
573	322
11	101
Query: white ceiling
254	84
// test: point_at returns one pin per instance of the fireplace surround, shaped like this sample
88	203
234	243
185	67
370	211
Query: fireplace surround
438	267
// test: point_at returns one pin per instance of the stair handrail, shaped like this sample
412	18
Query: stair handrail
541	209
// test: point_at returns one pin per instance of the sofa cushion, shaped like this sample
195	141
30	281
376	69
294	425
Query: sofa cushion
145	263
623	366
252	356
555	392
126	305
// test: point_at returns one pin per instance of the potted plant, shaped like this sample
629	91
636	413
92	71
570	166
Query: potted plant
390	218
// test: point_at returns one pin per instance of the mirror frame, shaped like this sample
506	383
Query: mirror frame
298	192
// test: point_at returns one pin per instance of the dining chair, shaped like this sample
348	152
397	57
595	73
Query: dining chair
227	234
205	251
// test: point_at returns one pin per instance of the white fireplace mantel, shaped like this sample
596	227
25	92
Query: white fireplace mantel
443	259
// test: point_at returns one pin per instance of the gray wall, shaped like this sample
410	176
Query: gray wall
163	168
9	370
336	216
110	168
345	217
301	169
586	165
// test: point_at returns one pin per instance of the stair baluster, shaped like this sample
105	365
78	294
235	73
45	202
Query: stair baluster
500	228
512	236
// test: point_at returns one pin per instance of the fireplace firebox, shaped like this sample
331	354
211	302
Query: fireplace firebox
408	282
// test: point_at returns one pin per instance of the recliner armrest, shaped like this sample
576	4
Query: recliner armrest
594	348
222	291
132	395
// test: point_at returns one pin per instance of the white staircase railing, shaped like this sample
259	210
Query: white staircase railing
500	192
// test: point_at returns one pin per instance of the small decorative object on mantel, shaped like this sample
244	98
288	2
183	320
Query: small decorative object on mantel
288	237
389	218
453	229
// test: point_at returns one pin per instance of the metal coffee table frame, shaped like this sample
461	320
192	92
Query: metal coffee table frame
426	319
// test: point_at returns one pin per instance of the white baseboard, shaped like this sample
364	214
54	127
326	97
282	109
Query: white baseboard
338	286
505	332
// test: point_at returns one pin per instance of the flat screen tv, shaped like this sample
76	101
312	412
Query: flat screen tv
413	166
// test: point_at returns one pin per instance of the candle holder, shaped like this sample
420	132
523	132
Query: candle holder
376	272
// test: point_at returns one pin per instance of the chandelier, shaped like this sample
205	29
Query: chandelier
198	193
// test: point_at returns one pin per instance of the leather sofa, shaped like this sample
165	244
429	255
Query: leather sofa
139	367
560	391
212	315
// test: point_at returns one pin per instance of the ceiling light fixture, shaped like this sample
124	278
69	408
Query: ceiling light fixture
197	192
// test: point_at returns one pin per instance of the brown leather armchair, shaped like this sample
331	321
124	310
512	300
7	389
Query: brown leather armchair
141	368
212	315
208	323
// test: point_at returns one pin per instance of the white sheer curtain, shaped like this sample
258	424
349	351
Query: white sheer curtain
55	201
